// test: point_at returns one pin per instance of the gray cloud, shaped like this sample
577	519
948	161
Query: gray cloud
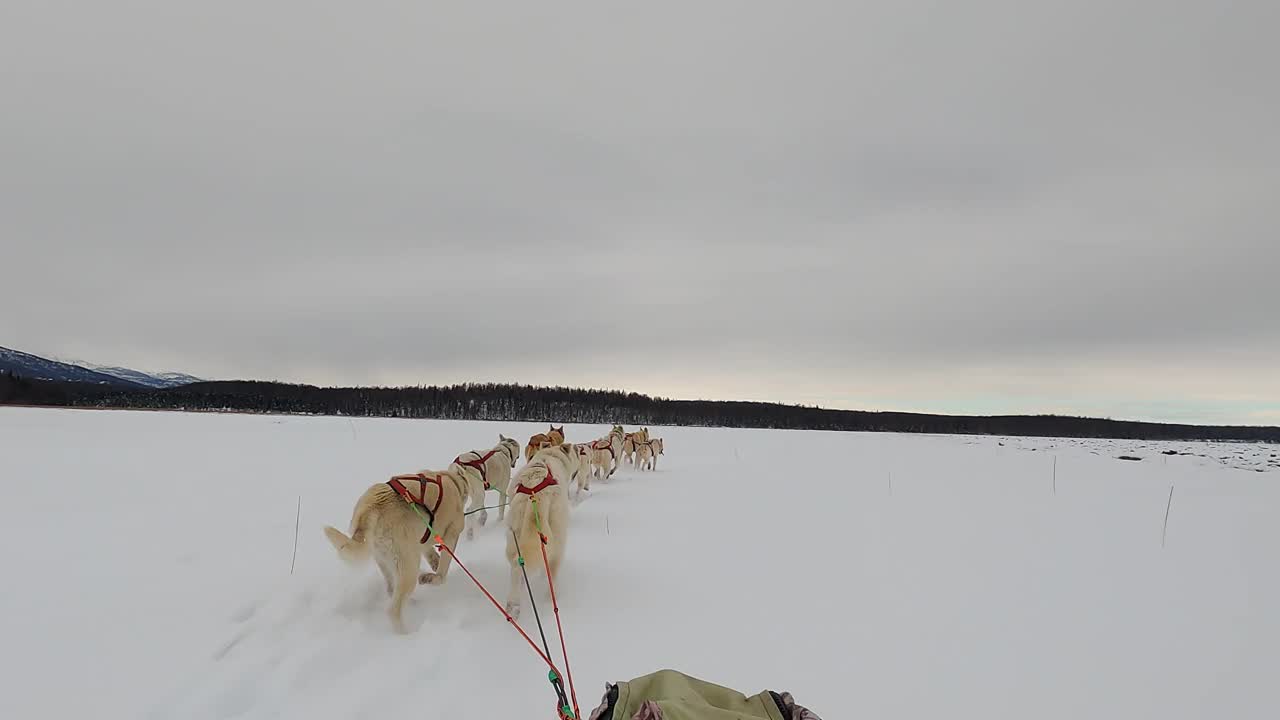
850	204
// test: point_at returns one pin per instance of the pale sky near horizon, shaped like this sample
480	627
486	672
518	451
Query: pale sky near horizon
982	207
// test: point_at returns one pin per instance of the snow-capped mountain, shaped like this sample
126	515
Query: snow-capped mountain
41	368
155	380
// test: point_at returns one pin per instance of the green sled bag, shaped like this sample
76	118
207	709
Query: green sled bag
672	695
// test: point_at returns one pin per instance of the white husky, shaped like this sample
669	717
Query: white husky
582	478
647	454
606	454
539	509
483	471
630	441
386	525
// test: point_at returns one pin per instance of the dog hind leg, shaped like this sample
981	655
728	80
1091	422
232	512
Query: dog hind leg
475	499
513	592
433	557
406	580
553	564
387	568
450	538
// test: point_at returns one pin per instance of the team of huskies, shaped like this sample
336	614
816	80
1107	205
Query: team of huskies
386	525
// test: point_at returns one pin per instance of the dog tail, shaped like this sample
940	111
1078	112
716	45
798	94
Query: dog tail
353	550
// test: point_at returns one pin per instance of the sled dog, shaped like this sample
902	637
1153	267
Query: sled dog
554	436
606	454
586	473
490	470
539	506
648	453
386	527
629	442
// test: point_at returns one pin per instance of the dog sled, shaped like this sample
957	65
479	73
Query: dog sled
673	695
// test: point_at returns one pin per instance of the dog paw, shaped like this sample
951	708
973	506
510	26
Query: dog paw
434	560
484	518
513	609
430	579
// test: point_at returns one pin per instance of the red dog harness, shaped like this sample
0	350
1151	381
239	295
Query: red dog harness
397	484
479	464
547	482
608	445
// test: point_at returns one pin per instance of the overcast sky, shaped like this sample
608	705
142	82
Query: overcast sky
964	207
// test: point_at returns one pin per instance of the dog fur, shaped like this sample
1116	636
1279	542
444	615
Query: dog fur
629	442
606	454
541	441
498	469
551	512
647	454
629	448
385	527
585	474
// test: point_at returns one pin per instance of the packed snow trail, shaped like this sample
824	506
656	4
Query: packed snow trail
147	575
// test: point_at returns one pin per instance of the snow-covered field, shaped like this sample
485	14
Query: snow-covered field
1259	457
147	575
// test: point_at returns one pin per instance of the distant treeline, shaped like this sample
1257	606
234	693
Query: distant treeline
559	404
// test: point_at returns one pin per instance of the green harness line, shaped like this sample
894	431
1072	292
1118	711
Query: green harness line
423	515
